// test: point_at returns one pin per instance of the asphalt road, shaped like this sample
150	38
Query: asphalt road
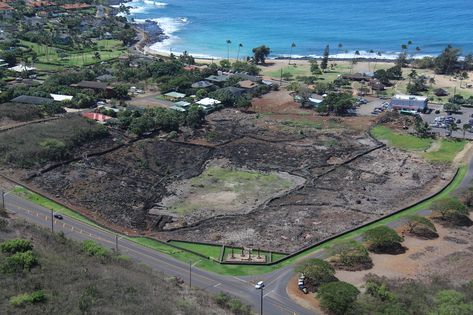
276	300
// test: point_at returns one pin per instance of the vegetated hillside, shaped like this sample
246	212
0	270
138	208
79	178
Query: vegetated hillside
49	274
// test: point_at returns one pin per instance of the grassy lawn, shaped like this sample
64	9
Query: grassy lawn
207	250
50	59
401	141
304	70
447	151
49	204
238	270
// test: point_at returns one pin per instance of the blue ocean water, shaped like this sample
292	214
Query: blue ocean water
202	27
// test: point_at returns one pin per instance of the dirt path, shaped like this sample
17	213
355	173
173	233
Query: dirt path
464	156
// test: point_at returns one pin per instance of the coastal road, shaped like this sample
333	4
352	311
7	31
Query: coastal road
276	300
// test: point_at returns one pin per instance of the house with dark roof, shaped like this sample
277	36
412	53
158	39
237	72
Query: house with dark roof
32	100
218	79
249	77
235	91
98	87
202	85
409	102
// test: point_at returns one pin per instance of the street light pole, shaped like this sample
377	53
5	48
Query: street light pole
190	274
52	221
3	200
261	300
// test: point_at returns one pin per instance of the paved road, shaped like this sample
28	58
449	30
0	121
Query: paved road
276	300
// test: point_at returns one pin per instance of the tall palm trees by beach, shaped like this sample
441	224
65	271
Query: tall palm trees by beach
293	45
240	45
229	42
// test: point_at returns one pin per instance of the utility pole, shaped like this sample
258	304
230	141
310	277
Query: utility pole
116	243
190	274
3	200
52	221
262	300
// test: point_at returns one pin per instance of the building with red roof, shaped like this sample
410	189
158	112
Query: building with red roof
101	118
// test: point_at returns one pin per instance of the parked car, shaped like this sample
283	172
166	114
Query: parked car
259	285
459	121
437	111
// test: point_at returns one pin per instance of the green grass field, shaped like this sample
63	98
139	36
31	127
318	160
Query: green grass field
304	70
446	151
239	270
50	59
401	141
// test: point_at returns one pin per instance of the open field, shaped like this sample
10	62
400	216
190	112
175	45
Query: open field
133	183
442	150
50	59
238	270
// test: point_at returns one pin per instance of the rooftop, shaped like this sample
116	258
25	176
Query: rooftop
218	78
208	102
202	84
61	98
92	85
33	100
96	116
409	97
175	95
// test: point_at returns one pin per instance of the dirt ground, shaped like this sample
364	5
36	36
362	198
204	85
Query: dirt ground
348	179
448	256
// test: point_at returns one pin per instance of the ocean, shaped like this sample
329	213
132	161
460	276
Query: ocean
202	27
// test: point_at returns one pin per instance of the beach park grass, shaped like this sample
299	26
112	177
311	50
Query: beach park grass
54	58
304	70
211	250
444	150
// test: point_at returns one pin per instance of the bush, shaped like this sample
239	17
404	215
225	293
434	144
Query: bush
420	226
227	302
451	302
337	297
452	211
19	262
383	239
350	255
91	248
317	272
33	298
15	246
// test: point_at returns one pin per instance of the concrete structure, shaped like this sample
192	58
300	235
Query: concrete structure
409	102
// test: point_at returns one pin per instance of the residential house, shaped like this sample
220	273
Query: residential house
202	85
32	100
100	118
98	87
218	79
208	104
61	98
235	91
174	95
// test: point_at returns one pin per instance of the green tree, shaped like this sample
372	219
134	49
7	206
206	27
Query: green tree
260	54
314	67
240	45
195	117
350	255
451	302
15	246
337	297
324	63
316	271
447	62
421	226
382	239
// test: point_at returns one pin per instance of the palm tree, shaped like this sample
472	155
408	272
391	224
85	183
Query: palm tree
229	42
240	45
465	128
340	46
293	45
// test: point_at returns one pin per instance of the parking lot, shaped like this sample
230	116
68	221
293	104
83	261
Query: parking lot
460	118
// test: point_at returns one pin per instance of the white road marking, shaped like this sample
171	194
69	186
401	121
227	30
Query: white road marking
240	279
217	285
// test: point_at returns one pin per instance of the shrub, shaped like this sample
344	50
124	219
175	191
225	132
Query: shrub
33	298
91	248
317	272
383	239
350	255
15	246
420	226
227	302
19	262
337	297
452	211
451	302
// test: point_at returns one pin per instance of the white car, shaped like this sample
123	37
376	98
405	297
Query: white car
259	285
